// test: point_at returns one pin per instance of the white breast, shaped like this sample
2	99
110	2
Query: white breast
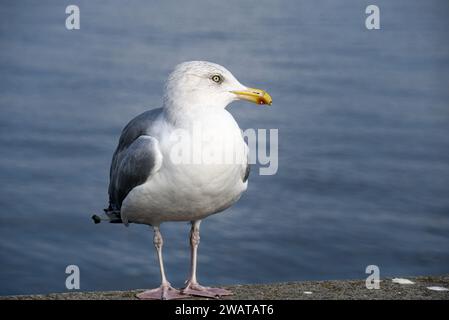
191	186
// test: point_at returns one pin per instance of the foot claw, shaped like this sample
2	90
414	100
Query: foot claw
161	293
208	292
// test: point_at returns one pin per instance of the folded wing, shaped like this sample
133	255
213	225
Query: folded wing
135	160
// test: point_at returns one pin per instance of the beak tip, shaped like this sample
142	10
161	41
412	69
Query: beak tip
268	103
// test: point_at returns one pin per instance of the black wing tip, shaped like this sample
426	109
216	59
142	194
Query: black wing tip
247	171
96	219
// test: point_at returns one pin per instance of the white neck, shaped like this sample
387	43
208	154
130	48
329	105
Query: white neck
181	114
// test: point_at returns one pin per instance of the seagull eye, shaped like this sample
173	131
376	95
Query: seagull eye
217	78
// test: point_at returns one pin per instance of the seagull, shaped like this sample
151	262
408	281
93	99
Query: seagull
182	162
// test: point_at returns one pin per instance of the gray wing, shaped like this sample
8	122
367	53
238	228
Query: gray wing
246	166
247	171
136	158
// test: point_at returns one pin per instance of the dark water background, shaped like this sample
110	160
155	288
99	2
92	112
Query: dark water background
363	119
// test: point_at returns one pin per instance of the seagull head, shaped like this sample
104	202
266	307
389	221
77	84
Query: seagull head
206	84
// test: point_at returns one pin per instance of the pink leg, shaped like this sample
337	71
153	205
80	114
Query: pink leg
165	291
192	286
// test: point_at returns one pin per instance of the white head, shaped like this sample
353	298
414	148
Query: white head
206	84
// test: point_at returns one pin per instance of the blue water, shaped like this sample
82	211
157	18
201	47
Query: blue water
363	119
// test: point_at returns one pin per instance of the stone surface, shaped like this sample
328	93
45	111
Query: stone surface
307	290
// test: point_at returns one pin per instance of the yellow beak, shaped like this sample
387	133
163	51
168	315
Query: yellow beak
254	95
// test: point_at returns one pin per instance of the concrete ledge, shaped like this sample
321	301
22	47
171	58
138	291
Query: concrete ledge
307	290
